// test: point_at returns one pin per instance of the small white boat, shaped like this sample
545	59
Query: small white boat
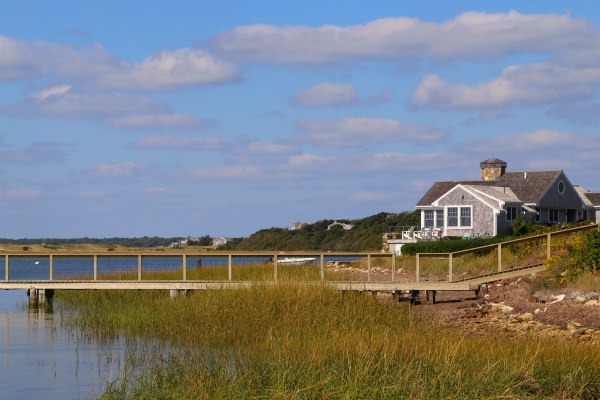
295	260
37	263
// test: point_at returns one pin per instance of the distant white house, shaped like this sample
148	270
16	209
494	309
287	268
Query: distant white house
184	242
346	227
298	225
219	241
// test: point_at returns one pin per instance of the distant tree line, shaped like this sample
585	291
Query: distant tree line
145	241
365	235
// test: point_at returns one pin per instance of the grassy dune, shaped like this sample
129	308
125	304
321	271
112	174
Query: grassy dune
302	342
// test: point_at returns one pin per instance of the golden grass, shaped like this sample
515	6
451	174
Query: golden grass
300	342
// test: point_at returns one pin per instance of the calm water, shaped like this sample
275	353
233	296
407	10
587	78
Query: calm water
39	358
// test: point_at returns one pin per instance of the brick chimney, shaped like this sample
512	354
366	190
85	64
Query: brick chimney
492	169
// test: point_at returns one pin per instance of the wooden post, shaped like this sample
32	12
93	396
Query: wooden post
51	266
548	245
417	268
393	267
6	268
95	267
275	267
369	267
229	268
450	270
184	266
499	257
322	265
139	267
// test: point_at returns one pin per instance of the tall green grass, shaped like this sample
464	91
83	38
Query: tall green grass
300	342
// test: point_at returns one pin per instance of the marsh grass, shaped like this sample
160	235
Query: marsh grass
587	281
307	342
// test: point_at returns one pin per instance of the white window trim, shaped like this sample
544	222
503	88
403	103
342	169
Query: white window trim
425	218
561	182
434	215
435	219
459	226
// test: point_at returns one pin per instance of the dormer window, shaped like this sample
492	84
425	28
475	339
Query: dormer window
561	187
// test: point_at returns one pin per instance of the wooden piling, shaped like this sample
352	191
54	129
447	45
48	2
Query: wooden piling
322	267
229	268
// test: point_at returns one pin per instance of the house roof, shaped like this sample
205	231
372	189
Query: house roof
503	194
528	187
594	198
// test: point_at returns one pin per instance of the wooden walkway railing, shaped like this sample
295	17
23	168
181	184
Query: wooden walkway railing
392	284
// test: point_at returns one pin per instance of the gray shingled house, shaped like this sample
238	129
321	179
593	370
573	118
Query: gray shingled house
489	206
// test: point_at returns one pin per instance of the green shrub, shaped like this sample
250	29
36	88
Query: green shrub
587	256
449	246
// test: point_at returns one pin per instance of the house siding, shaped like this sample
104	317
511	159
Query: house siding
482	215
504	226
569	203
570	199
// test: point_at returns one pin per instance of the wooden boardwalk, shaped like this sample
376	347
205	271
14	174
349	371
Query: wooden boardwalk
419	282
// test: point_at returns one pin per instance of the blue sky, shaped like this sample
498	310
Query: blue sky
225	117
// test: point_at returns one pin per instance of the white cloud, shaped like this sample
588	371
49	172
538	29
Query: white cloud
20	194
418	162
308	160
163	70
53	91
226	172
118	110
326	94
535	140
526	85
24	60
63	101
180	142
158	190
269	148
168	70
159	121
351	132
36	153
471	35
116	170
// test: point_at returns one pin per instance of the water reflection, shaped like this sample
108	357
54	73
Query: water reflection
38	357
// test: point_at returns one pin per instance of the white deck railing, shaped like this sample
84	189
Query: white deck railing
422	233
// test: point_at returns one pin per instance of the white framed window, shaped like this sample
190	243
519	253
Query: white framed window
452	213
459	217
428	216
439	218
465	216
511	213
538	216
